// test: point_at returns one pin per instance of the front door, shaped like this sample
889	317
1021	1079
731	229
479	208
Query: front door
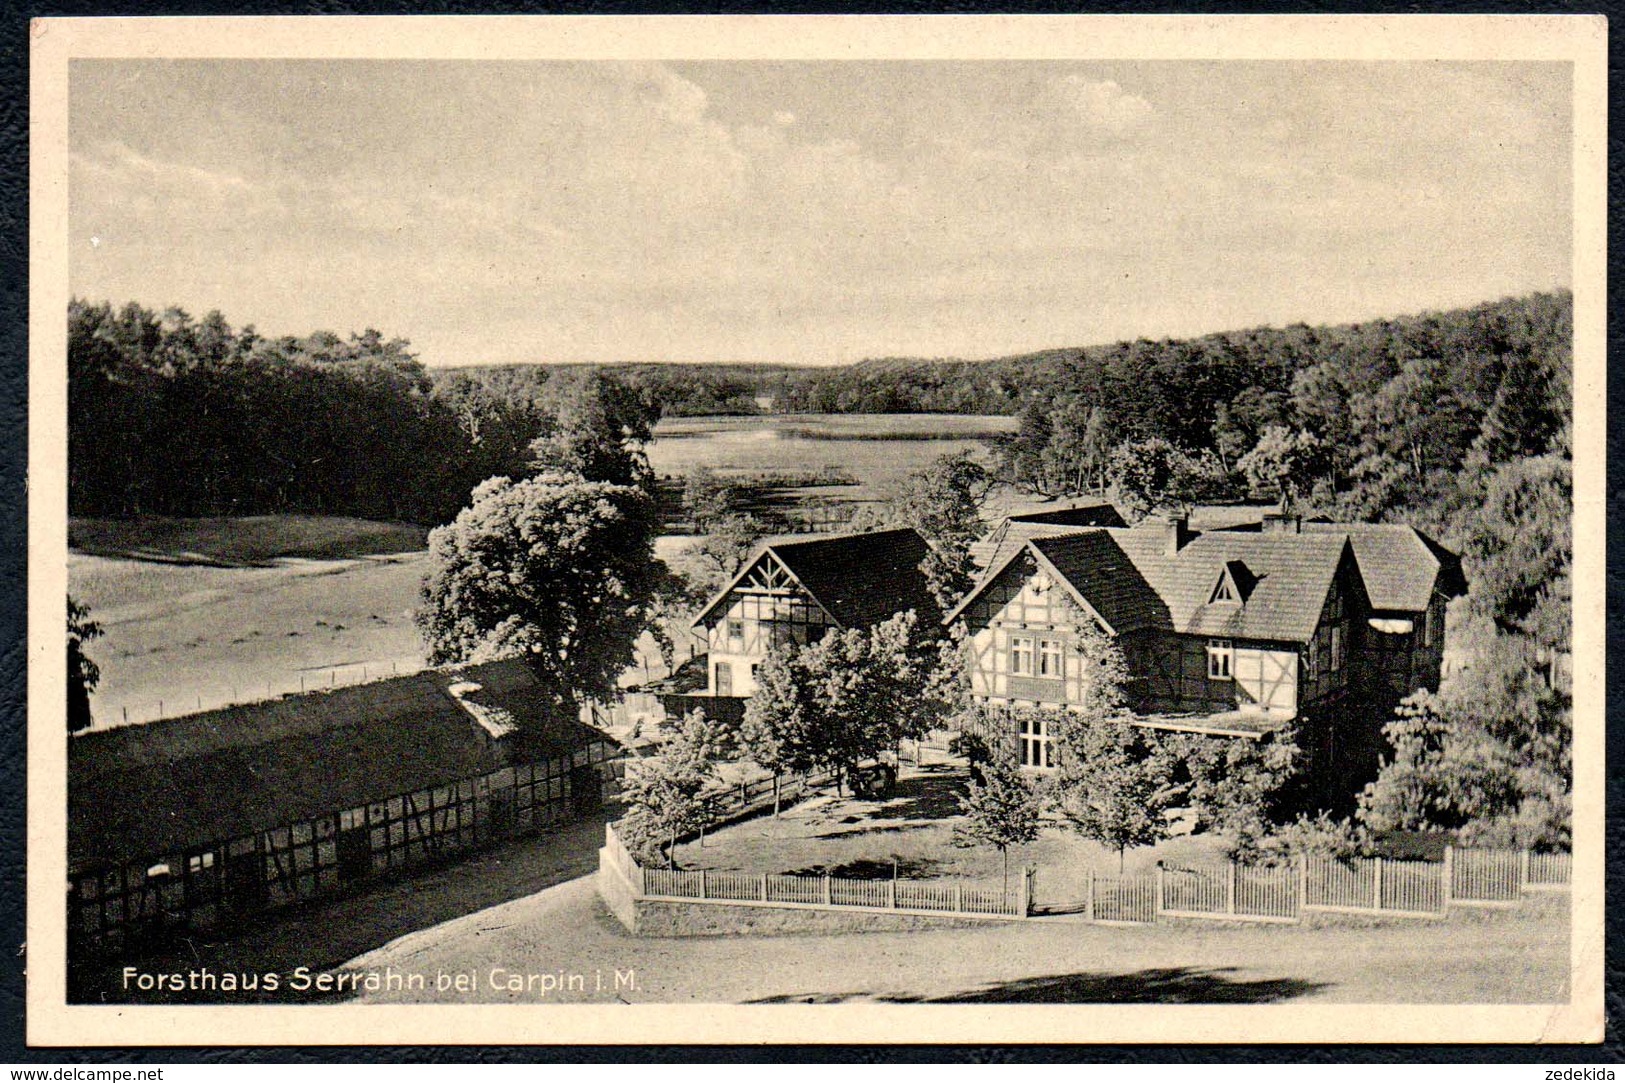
724	684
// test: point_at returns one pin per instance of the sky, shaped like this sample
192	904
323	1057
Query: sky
811	213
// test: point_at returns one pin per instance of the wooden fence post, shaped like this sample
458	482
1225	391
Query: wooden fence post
1523	871
1230	890
825	885
1156	902
891	894
764	887
1447	874
1303	882
1089	896
959	898
702	884
1376	886
1026	900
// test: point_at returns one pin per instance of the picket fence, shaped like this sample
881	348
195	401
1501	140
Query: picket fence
937	897
1369	885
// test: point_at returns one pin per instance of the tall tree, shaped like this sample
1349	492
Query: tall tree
556	569
944	503
600	427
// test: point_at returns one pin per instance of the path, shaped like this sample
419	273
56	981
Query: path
1519	957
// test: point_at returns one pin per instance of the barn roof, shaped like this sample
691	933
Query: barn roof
1131	579
1013	531
859	579
167	786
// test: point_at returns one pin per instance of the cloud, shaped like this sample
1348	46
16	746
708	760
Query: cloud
1103	105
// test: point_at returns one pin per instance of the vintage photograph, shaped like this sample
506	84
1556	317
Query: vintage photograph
778	532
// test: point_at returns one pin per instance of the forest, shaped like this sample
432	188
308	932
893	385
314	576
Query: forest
170	415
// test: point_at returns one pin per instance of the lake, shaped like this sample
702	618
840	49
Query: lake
879	449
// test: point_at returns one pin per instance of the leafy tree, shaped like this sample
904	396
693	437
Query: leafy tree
1150	475
666	792
1116	783
721	554
833	704
1283	463
83	674
944	503
1234	787
600	427
1490	757
708	499
1001	810
1518	550
777	732
556	569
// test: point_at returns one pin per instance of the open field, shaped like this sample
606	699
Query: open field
879	449
217	611
253	540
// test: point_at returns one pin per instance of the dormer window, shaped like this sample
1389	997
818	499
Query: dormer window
1236	582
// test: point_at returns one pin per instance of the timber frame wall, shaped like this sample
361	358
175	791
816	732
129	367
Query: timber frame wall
125	907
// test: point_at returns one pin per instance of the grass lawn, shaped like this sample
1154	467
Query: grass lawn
844	836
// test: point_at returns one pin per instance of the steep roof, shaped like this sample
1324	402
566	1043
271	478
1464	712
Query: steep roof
1401	565
1130	579
1291	573
166	786
1010	537
1100	572
859	579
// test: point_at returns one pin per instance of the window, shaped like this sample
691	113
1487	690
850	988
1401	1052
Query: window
723	684
1021	656
1225	591
736	631
199	862
1339	648
1037	750
1311	660
1051	662
1220	656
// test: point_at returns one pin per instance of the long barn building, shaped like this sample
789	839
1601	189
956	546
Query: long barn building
201	822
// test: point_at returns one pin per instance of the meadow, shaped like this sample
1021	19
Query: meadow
197	613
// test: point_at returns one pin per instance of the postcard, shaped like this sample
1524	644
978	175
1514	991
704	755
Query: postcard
816	530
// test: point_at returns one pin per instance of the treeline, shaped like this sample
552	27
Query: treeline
669	390
172	415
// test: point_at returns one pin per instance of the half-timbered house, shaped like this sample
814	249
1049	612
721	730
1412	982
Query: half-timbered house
790	593
197	822
1232	632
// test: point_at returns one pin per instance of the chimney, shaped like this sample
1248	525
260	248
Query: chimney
1178	534
1277	522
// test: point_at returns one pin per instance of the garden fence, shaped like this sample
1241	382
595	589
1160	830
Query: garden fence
817	892
1366	885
